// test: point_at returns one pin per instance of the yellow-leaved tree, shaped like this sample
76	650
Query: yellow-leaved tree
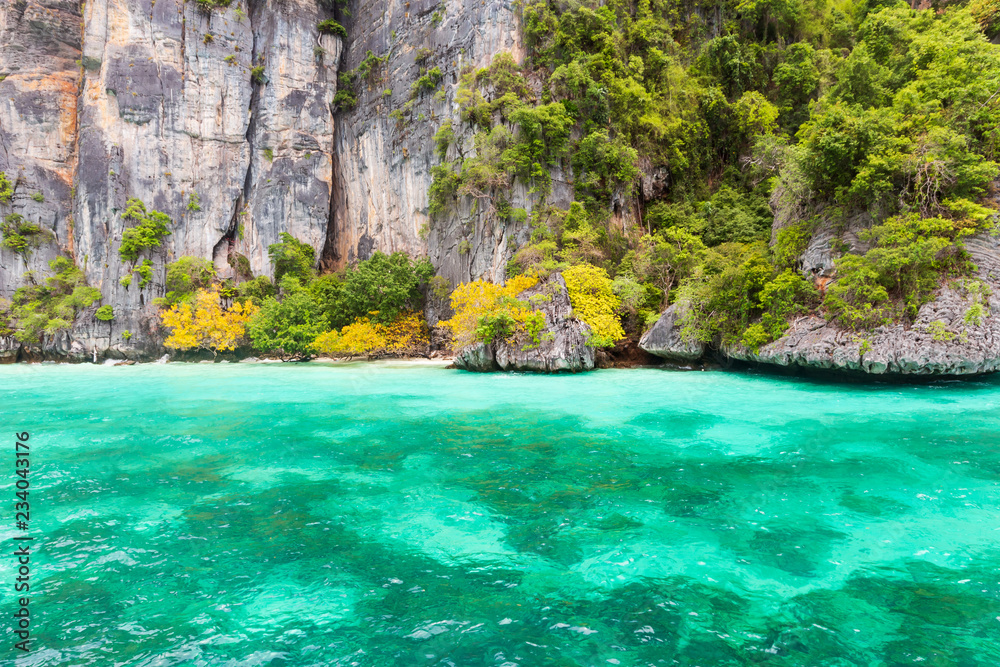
594	303
485	310
206	324
406	335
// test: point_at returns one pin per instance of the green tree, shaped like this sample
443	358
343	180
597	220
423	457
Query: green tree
385	285
148	232
292	257
288	327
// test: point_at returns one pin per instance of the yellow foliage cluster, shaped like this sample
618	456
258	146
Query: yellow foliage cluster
407	335
594	303
476	300
207	324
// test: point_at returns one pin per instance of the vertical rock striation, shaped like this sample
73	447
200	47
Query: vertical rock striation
160	100
383	170
39	79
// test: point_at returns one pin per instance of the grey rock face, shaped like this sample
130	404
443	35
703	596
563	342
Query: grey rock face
563	344
664	339
171	115
165	106
9	348
478	357
39	47
383	164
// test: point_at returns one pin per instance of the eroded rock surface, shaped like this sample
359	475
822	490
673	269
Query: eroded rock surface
941	341
562	346
664	339
385	147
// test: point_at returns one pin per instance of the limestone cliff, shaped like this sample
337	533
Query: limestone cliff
384	159
221	119
224	120
228	120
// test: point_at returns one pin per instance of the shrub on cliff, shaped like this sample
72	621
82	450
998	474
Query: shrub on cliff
911	122
148	232
6	189
331	27
209	5
19	234
50	307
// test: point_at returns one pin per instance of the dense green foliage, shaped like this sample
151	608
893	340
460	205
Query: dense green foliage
383	286
738	295
19	235
288	326
899	273
184	278
380	289
828	115
6	189
292	257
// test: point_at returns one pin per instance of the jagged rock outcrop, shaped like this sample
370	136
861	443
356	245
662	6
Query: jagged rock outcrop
942	341
664	338
9	348
939	342
950	347
562	345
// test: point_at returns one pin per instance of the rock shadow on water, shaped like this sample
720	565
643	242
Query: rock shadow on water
873	505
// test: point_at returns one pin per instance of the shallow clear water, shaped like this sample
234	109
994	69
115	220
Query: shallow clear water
391	515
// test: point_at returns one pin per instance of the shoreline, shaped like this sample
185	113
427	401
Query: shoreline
734	366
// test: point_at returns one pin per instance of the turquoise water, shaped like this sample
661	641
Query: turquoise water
407	515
